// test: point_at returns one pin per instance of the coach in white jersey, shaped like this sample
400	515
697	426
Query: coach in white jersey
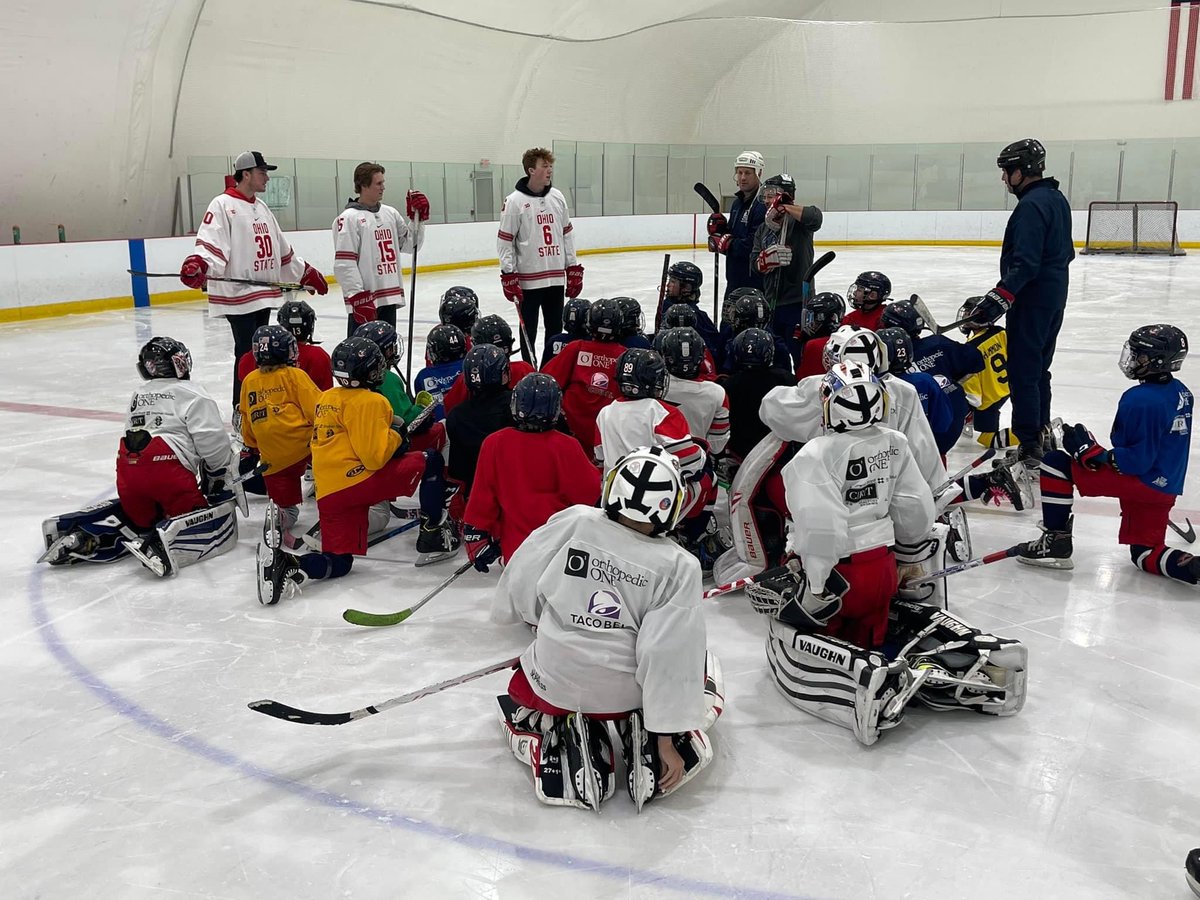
537	250
240	238
368	238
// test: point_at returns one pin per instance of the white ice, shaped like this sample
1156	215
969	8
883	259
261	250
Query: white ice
131	767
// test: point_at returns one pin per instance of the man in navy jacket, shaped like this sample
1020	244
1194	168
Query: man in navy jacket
1032	289
734	237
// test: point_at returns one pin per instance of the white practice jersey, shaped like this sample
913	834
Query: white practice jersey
706	407
793	413
624	425
618	619
367	248
535	238
184	415
240	239
853	491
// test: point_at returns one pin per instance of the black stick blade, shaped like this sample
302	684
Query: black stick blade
707	196
303	716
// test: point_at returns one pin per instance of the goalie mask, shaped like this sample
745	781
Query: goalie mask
851	398
831	355
645	485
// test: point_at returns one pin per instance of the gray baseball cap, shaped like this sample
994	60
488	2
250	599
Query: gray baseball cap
251	159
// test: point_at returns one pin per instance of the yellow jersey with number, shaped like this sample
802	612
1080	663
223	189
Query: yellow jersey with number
990	385
352	438
277	414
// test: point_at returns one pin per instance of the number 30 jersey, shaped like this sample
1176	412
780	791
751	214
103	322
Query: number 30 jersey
535	239
239	238
367	248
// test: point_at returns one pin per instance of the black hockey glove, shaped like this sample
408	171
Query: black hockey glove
993	306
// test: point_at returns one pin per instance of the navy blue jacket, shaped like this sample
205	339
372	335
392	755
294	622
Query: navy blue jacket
1037	246
745	215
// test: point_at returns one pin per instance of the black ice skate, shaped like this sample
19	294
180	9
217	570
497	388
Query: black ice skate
435	542
1191	868
279	575
1002	485
150	553
1051	551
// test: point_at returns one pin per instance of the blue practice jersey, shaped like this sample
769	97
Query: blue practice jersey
437	380
935	403
1151	435
949	362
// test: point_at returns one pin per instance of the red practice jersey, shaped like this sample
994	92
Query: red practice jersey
586	371
517	369
313	360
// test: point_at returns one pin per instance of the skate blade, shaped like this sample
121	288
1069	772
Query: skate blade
59	546
1060	564
429	559
150	561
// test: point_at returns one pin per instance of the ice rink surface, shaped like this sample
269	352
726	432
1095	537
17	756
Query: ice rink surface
131	767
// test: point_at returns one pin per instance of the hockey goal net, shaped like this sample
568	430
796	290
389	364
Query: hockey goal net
1133	227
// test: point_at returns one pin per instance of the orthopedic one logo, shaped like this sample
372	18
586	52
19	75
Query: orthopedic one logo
581	565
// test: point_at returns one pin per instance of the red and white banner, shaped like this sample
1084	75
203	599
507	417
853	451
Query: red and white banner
1181	55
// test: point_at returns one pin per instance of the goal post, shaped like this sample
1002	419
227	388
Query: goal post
1133	226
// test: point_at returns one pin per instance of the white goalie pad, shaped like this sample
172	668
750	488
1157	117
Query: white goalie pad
924	558
965	668
839	682
643	762
749	555
189	538
714	690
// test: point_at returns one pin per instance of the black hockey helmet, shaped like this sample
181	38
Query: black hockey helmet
749	310
903	314
164	357
869	290
1153	350
753	348
493	330
459	306
358	363
1026	155
385	338
274	345
575	317
822	314
967	310
632	320
536	403
690	279
779	184
898	347
604	319
446	343
485	368
641	373
682	349
298	318
681	315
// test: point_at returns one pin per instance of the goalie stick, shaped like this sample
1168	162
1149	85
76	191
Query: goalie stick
357	617
282	285
307	717
962	567
707	196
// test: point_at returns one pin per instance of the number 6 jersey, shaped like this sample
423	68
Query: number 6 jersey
367	244
535	239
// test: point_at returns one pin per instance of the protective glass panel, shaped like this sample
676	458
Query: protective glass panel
589	179
650	179
892	176
1145	170
618	179
430	179
316	193
939	178
848	180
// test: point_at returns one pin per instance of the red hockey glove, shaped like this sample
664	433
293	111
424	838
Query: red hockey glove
194	272
995	303
510	283
774	257
482	548
416	206
574	281
719	243
314	281
717	224
362	307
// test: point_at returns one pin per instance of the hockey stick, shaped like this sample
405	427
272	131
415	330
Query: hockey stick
707	196
962	567
412	305
825	259
533	357
260	469
662	291
307	717
1189	535
973	464
282	285
739	583
357	617
930	321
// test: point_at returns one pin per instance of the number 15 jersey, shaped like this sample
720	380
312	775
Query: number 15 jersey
535	238
367	244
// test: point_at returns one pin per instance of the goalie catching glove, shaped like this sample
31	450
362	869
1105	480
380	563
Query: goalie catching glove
782	593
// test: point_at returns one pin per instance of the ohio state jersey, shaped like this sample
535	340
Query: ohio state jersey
706	408
535	239
185	416
240	238
367	248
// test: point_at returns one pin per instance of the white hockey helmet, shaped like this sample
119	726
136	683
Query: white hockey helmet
645	485
852	398
863	346
750	159
831	355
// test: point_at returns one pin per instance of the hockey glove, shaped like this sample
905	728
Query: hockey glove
510	283
774	257
212	481
416	206
194	272
482	548
314	281
1081	444
574	281
362	306
719	243
775	588
995	303
401	429
718	224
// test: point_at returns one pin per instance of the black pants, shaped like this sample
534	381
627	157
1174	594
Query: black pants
385	313
550	301
1032	334
243	327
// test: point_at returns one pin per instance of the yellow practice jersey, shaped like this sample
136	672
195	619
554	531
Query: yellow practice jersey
351	439
990	385
278	407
